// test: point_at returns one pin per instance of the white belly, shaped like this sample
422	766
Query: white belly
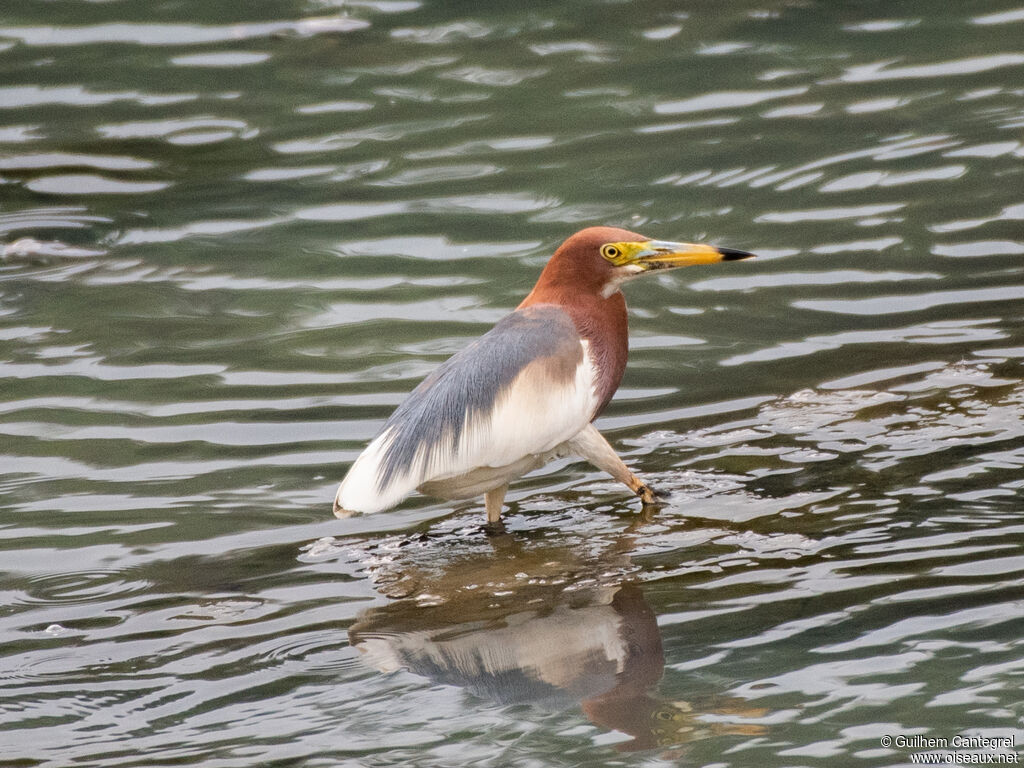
479	481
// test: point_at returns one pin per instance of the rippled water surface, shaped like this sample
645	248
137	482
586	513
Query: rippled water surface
234	235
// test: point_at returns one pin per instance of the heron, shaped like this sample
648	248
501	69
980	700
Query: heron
528	390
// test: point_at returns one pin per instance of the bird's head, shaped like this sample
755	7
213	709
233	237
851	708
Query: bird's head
601	259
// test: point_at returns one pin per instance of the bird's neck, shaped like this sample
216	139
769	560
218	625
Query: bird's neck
602	323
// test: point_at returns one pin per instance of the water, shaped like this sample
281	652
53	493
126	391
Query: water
234	235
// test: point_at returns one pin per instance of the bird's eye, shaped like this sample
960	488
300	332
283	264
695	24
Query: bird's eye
610	252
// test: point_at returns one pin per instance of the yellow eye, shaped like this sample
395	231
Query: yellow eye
610	252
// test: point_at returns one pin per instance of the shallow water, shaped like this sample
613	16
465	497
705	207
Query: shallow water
232	237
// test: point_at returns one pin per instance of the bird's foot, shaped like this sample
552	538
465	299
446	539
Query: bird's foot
494	528
644	491
647	495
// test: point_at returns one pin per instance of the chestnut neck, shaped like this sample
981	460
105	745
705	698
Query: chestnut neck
601	322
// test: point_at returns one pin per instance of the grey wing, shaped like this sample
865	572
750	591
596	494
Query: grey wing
520	389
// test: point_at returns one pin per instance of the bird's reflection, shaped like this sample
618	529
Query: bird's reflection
531	623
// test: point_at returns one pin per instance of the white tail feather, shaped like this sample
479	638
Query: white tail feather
530	419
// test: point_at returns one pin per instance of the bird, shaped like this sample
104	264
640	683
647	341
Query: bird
528	390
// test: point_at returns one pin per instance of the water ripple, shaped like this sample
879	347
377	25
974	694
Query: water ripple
150	33
883	305
881	71
24	96
263	232
181	131
725	100
92	184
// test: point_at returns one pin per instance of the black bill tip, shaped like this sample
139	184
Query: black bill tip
731	254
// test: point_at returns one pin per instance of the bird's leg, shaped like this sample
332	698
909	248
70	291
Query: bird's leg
591	445
493	501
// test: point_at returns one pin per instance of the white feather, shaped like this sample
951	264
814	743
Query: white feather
358	491
619	276
530	420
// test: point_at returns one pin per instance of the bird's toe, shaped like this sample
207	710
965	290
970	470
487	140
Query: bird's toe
493	528
648	496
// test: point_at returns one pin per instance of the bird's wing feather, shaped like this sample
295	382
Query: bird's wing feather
522	389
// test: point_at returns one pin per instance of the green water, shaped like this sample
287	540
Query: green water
234	235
